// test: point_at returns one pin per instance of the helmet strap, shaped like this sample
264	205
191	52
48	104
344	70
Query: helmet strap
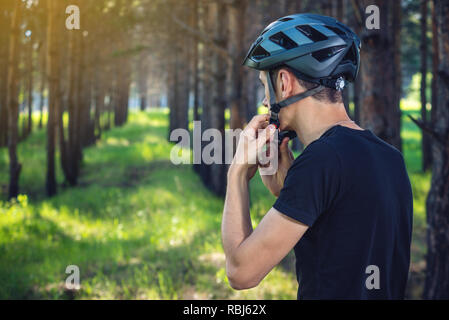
275	107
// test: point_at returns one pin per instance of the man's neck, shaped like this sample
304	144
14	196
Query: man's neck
312	127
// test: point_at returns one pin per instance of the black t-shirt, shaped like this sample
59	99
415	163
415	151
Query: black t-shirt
352	190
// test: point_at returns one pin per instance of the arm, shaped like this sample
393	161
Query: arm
251	255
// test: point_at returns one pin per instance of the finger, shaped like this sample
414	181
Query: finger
263	125
258	120
284	146
265	135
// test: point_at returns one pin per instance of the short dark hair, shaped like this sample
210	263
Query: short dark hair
328	94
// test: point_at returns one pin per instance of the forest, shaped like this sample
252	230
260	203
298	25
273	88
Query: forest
90	91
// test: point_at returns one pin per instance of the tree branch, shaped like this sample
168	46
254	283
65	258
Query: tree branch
430	131
357	12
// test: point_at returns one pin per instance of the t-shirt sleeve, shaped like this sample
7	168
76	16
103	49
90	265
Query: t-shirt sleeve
312	183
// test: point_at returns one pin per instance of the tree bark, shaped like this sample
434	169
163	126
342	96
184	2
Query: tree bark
42	85
381	90
214	103
29	86
142	71
435	62
5	25
179	79
12	101
426	150
437	270
53	99
123	82
195	59
217	119
237	12
71	163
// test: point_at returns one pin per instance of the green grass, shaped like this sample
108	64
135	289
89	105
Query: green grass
139	227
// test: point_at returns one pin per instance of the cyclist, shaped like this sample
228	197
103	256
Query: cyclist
345	204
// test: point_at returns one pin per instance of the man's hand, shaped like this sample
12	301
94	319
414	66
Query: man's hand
251	143
275	182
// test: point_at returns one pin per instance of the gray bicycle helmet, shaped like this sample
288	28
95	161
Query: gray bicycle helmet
316	48
319	48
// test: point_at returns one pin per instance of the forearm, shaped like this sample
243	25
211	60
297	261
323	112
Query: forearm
271	183
236	223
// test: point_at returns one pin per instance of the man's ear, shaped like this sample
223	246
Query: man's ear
285	85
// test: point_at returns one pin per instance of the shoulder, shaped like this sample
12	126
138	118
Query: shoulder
319	153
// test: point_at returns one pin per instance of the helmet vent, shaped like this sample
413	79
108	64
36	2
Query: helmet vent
282	40
337	31
311	33
344	27
324	54
351	55
260	53
285	19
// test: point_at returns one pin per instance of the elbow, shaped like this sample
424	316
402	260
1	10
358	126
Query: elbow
238	280
236	285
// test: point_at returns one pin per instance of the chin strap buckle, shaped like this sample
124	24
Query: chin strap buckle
276	107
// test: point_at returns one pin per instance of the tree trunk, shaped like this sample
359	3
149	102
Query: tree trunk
29	54
254	24
100	93
179	78
206	86
42	85
71	163
123	84
237	13
435	62
214	103
292	6
53	99
217	120
195	59
340	10
426	150
380	98
437	270
12	102
4	57
326	7
357	85
142	71
396	113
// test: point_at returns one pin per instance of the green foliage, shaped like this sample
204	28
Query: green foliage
139	227
414	89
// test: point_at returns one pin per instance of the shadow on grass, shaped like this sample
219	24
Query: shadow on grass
34	268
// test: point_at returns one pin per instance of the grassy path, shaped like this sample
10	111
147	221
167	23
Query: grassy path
137	226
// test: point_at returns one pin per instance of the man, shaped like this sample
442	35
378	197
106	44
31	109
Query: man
345	204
